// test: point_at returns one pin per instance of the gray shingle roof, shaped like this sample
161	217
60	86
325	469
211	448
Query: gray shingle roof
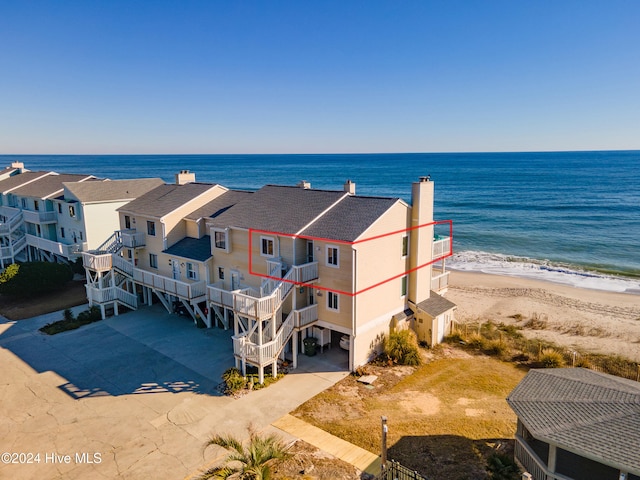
165	199
589	413
193	248
219	205
48	186
278	209
350	218
295	210
17	180
111	190
436	304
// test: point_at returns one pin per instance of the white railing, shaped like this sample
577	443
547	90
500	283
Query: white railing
50	246
306	272
113	244
440	282
98	262
306	316
441	248
122	264
111	294
220	296
39	217
263	354
169	285
15	219
133	239
128	298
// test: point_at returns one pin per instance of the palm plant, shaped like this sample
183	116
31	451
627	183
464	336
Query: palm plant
250	462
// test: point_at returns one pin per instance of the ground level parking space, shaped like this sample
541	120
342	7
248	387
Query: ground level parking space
134	396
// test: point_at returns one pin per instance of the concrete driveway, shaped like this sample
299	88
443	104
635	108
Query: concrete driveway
132	397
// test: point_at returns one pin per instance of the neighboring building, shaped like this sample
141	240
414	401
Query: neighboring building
284	263
53	217
575	423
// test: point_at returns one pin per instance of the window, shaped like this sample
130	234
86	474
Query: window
332	301
81	236
127	222
151	228
72	211
59	208
62	232
220	239
332	256
405	246
192	271
266	247
153	260
24	203
36	205
220	273
403	288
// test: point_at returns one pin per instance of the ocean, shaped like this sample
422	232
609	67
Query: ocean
567	217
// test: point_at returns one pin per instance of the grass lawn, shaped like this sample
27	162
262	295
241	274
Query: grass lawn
445	418
73	294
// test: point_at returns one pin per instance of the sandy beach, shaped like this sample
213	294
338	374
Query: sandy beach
590	320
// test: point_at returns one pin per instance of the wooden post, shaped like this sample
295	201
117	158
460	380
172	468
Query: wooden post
383	457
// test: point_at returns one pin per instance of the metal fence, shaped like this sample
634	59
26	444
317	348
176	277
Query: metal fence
395	471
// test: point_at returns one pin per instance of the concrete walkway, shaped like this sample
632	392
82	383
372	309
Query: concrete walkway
360	458
136	392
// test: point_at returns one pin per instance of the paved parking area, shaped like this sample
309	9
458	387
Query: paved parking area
133	396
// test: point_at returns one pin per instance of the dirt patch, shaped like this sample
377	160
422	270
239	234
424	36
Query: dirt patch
309	463
72	295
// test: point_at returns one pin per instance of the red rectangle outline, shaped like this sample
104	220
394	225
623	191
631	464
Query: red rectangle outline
345	242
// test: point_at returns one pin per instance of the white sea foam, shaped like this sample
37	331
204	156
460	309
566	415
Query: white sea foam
498	264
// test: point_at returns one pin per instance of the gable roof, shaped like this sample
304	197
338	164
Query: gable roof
192	248
9	184
219	205
165	199
435	305
589	413
328	214
48	186
278	209
349	219
111	190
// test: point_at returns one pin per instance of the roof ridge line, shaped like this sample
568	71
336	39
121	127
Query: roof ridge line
30	181
321	214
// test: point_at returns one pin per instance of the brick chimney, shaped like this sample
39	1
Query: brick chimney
185	176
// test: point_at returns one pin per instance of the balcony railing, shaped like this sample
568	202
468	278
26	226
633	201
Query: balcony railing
39	217
99	262
14	219
133	239
306	316
58	248
169	285
441	247
440	282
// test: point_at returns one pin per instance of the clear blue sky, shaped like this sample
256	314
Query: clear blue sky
318	76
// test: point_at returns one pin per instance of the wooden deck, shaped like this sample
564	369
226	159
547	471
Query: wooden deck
360	458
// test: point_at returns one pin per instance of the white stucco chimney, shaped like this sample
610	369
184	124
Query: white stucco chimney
185	176
304	184
18	165
421	240
350	187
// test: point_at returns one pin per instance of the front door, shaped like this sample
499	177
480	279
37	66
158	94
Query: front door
235	281
176	269
309	250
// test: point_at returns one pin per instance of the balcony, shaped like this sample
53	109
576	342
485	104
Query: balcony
532	463
173	287
133	239
98	262
57	248
13	218
441	247
39	217
440	282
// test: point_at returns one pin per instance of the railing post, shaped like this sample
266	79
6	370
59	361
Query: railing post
383	457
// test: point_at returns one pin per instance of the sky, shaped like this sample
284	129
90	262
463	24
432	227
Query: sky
88	76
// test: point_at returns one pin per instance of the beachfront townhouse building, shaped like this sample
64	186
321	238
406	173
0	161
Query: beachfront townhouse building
48	216
282	264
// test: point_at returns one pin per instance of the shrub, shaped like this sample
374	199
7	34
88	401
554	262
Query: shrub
495	347
455	337
502	467
477	341
68	315
234	380
402	348
550	358
91	315
34	278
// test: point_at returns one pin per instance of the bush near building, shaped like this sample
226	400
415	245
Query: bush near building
34	278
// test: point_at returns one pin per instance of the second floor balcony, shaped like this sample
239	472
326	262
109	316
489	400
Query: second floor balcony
131	238
39	217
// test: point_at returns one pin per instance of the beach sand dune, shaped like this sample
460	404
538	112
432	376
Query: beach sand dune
590	320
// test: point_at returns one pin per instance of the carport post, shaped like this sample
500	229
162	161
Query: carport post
295	350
